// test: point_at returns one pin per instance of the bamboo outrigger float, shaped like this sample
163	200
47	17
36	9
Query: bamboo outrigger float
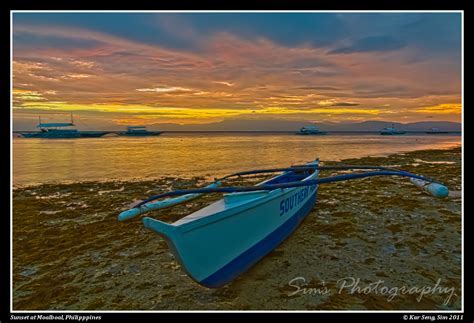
222	240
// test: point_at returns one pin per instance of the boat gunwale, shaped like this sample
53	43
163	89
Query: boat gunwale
232	211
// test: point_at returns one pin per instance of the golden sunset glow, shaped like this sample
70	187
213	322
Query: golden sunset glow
442	109
206	71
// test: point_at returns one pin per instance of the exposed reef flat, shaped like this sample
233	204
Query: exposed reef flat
71	253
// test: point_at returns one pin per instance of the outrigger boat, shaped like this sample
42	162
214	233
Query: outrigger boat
61	131
392	131
139	131
311	130
224	239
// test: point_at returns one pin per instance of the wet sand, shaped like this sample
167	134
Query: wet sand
71	253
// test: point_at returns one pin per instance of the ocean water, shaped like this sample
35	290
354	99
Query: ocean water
38	161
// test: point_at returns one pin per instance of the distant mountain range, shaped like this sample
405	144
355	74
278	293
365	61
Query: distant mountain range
282	125
258	125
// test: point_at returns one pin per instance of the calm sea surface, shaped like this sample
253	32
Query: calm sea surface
185	155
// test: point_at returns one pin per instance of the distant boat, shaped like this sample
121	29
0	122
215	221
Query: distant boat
391	131
310	130
61	130
139	131
434	131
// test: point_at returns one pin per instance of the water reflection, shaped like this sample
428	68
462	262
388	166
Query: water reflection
184	155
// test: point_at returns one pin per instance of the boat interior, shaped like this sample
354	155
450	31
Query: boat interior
291	176
232	200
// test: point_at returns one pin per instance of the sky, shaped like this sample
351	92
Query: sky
118	69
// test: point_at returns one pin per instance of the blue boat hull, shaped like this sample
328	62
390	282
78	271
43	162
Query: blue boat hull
216	244
150	133
64	135
49	135
93	134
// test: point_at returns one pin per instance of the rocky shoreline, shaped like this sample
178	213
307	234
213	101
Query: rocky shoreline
380	234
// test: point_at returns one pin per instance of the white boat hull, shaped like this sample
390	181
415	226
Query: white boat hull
216	244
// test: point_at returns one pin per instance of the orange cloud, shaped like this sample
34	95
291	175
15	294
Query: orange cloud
228	77
450	108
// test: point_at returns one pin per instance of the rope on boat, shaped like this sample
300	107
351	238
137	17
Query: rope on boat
270	187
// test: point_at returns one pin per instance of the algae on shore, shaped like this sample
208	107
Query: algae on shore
71	253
